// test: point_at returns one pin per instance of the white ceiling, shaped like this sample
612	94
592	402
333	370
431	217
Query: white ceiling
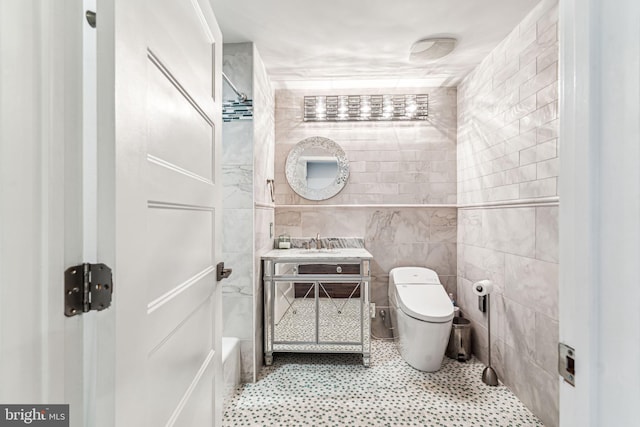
339	41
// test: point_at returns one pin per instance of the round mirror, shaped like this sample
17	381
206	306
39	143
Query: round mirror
317	168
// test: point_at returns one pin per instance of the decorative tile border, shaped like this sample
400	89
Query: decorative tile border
235	110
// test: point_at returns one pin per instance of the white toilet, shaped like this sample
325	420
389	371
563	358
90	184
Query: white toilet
421	316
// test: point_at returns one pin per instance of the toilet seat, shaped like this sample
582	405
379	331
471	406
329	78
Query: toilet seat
427	302
416	275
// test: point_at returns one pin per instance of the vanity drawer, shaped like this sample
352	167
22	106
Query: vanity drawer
329	269
333	290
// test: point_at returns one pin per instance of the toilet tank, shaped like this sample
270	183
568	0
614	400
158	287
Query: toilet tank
413	275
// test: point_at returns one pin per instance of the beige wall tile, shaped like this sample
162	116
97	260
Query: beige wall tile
541	188
510	230
548	94
532	283
548	168
547	131
380	154
521	174
470	227
518	323
542	79
547	234
481	263
514	247
547	150
536	388
394	236
539	117
504	192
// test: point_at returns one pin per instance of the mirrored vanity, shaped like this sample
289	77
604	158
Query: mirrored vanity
317	301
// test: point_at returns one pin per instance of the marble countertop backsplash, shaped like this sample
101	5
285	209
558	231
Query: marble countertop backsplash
326	242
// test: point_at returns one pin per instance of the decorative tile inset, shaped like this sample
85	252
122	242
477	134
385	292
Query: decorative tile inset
237	110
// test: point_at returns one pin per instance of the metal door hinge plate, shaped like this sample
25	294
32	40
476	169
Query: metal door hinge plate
87	287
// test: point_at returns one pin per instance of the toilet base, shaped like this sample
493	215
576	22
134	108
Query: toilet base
421	344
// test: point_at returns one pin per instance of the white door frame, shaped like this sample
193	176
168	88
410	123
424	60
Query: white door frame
41	354
104	325
600	209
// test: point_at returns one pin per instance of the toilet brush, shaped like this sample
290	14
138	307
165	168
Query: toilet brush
483	290
489	375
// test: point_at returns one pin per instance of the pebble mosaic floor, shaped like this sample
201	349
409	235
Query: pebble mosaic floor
336	390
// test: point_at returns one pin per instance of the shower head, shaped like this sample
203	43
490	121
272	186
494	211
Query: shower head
241	96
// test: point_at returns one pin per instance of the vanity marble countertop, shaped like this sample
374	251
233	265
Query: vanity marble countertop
318	254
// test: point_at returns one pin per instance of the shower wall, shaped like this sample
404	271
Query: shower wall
264	207
247	214
508	207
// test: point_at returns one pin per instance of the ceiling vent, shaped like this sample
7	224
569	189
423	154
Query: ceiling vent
430	49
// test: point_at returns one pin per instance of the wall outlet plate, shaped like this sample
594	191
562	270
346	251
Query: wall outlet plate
372	310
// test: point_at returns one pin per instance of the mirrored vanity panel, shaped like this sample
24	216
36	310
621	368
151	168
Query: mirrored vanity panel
317	301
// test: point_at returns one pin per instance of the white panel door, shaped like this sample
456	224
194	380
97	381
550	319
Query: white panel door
167	212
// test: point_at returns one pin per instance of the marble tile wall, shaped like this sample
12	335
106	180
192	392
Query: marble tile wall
524	306
507	152
395	236
508	116
264	217
237	217
264	130
248	148
264	208
397	162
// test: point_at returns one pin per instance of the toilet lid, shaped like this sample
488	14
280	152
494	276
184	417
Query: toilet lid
427	302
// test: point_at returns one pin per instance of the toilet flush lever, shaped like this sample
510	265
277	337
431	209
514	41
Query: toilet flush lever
221	272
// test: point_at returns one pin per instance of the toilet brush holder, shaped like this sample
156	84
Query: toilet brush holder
482	289
489	376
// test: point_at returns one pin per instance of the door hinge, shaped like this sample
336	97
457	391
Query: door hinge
221	272
87	287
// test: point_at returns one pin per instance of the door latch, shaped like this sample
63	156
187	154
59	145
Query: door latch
567	363
221	272
87	287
